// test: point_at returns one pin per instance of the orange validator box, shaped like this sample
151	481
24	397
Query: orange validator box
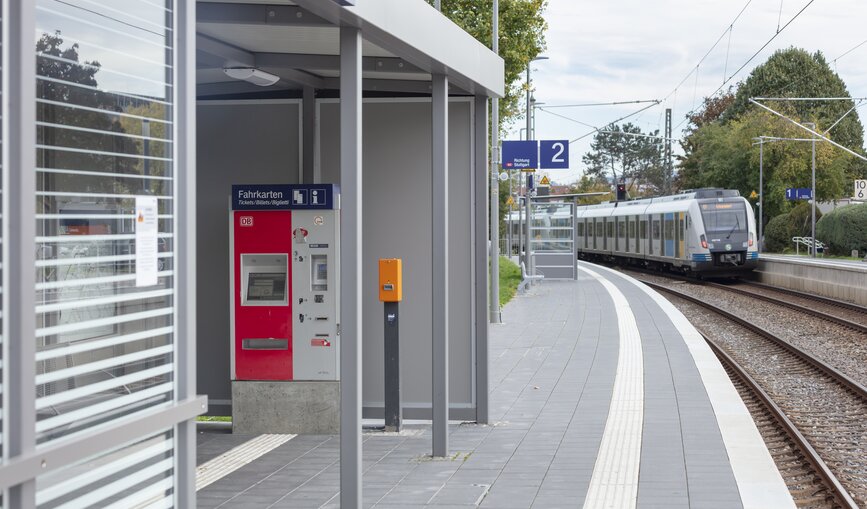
390	280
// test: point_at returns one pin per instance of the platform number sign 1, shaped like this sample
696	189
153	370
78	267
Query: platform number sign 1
860	189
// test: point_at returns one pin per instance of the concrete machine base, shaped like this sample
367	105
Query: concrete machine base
286	407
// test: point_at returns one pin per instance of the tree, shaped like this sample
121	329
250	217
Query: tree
522	38
589	184
71	97
635	160
718	146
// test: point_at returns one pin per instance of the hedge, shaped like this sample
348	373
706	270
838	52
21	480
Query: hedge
844	229
780	230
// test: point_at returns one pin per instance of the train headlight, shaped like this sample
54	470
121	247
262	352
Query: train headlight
751	239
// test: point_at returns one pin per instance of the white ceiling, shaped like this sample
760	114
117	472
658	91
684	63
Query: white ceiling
284	39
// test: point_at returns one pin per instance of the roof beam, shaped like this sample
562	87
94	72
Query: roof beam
332	62
251	14
231	55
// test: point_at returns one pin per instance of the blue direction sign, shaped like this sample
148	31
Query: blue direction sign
798	193
520	155
554	154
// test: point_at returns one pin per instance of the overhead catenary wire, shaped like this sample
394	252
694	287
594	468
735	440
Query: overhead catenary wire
597	129
752	57
613	103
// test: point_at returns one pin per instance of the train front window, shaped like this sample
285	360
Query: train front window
724	217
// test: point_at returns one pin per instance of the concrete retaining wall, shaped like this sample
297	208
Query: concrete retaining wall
837	280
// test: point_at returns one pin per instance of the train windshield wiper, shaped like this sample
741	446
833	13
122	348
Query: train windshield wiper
735	227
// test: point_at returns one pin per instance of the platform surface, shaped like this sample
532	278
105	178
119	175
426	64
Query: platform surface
602	395
827	262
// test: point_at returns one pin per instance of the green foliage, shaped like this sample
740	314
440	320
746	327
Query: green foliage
589	184
797	223
510	277
778	235
844	229
632	159
719	149
522	38
793	72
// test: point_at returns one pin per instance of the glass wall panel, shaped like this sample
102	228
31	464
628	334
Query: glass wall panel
105	337
136	475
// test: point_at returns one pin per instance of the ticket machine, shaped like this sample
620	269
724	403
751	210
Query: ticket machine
284	285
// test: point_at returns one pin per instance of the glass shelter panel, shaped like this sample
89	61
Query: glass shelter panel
553	236
135	475
104	93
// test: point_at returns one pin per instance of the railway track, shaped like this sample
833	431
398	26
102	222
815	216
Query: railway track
826	408
848	315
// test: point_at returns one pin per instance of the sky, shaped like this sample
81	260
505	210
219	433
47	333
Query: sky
629	50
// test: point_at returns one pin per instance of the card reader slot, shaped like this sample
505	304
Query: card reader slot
265	344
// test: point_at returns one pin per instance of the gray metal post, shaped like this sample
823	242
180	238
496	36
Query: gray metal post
480	256
440	263
19	232
761	194
668	168
494	300
185	206
813	194
308	134
528	225
391	347
350	268
509	216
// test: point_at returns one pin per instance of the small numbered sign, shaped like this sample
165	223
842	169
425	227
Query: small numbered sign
554	154
860	189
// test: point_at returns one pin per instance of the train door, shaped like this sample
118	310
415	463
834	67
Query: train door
642	234
655	235
679	234
618	223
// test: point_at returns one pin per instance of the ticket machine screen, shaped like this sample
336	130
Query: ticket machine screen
266	286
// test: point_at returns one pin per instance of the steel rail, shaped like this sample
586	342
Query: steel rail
812	456
797	307
819	298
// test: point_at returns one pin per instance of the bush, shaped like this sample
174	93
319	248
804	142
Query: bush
844	229
780	230
800	223
778	234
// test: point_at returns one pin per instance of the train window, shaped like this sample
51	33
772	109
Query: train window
589	228
610	229
682	236
631	229
621	228
580	230
655	229
643	229
669	229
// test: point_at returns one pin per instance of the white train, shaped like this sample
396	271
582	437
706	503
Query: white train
702	231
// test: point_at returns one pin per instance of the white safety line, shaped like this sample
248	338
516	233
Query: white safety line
235	458
614	483
757	476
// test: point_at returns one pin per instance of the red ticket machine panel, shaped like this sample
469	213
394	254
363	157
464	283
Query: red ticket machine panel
262	294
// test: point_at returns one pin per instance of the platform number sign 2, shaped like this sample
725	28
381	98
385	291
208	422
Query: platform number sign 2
554	154
860	189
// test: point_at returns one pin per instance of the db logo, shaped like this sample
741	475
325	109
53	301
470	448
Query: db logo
245	220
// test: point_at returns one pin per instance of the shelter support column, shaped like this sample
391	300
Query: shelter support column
19	232
308	135
479	198
350	272
440	263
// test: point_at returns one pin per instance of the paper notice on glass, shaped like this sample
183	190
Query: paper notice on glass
146	249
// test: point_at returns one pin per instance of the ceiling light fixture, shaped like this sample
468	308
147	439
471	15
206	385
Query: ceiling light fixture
252	75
